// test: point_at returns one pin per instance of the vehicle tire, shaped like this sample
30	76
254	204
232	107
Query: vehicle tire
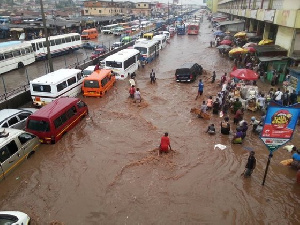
30	154
20	65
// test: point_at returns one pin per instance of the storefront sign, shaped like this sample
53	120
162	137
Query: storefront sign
279	125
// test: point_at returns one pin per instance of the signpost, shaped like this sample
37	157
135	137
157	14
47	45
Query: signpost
278	128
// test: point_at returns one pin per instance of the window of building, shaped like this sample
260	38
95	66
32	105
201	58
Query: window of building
86	11
100	11
144	4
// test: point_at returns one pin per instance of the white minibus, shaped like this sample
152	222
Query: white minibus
162	39
123	62
63	82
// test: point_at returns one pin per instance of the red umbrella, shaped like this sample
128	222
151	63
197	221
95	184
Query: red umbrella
226	42
244	74
250	49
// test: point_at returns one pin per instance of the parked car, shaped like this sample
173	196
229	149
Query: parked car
14	218
135	28
116	45
98	52
15	118
89	45
188	72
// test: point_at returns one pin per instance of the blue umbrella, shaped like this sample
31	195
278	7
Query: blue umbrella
218	33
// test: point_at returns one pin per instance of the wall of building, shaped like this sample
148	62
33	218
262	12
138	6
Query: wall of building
284	38
291	4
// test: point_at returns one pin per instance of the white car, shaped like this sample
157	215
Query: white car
15	118
88	71
14	218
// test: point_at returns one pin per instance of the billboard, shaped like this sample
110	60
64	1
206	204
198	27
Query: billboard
279	125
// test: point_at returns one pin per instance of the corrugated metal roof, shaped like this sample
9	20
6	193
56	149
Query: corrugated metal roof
269	48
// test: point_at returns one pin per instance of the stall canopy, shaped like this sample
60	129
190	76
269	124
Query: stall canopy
270	50
244	74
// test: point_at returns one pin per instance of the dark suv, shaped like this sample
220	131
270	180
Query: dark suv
188	72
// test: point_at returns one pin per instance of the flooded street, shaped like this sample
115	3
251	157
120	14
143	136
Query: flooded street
107	170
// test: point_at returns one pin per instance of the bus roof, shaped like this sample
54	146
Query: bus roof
56	76
122	55
159	37
98	74
15	46
54	107
9	43
146	44
54	37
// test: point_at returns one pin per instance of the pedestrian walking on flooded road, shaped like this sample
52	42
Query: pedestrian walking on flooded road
132	91
165	144
251	164
200	89
213	77
152	77
137	95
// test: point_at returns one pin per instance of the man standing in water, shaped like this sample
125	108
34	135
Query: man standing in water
164	144
152	77
200	88
251	164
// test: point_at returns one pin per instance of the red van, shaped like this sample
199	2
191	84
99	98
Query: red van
55	119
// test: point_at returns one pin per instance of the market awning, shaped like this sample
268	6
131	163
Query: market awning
17	29
270	59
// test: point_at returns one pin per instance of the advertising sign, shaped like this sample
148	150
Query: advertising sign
279	125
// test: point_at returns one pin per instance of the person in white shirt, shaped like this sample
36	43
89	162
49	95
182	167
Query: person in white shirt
278	96
261	101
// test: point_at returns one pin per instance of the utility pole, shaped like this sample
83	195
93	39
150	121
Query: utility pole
47	38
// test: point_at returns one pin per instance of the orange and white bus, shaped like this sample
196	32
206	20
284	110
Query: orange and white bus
98	83
193	28
89	34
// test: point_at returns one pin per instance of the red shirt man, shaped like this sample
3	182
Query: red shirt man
165	143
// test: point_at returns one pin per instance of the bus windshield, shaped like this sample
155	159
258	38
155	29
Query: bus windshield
142	50
38	125
114	64
91	84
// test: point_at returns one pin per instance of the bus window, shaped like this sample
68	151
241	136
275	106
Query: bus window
52	43
28	50
61	86
68	39
104	82
41	88
41	45
79	75
45	44
33	46
71	81
23	52
58	41
73	38
8	55
1	57
38	125
77	37
16	53
63	40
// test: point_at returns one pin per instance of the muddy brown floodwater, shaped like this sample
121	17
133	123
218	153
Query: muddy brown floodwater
107	171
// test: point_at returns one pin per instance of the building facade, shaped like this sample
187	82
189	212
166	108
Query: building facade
278	20
103	8
142	9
